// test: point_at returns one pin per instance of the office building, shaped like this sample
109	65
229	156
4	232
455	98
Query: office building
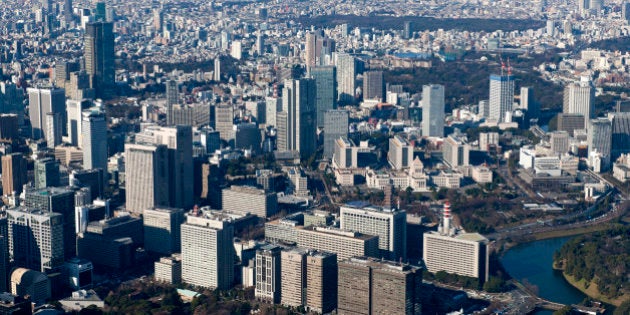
299	128
92	179
310	48
162	229
579	98
31	283
620	134
74	109
172	99
59	200
169	269
268	274
4	253
36	238
335	126
79	272
178	141
309	279
46	173
464	254
456	150
400	154
344	243
273	105
42	101
501	96
9	128
225	122
207	251
433	110
600	141
390	225
94	137
247	136
559	141
247	199
14	304
147	182
625	11
54	129
217	69
99	57
346	78
373	86
571	122
408	30
13	173
326	90
528	102
488	141
370	286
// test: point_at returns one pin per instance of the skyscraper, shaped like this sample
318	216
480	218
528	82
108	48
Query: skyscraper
53	132
46	173
36	239
298	97
310	48
326	92
225	122
94	137
625	11
172	95
207	251
400	154
501	96
600	140
162	229
346	77
620	134
13	173
217	69
579	98
433	110
74	110
335	126
268	274
373	86
147	183
99	57
42	101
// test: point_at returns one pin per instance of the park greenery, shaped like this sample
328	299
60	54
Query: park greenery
601	259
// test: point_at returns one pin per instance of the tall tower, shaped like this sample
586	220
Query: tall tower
42	101
217	69
346	77
579	98
147	184
268	273
13	173
335	126
310	47
433	110
74	110
445	226
99	57
600	140
46	173
94	136
36	239
54	129
373	86
326	92
501	95
298	97
172	95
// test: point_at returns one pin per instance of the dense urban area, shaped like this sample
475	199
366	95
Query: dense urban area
314	157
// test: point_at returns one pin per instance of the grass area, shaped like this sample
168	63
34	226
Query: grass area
571	232
592	290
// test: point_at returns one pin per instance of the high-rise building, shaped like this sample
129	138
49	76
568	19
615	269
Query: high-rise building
488	141
99	57
94	137
13	173
146	173
335	127
625	11
326	90
298	97
207	251
600	140
390	225
268	274
162	229
247	199
46	173
36	239
373	86
169	269
559	141
571	122
247	136
4	253
369	286
54	129
400	153
309	279
346	77
11	103
217	69
310	48
579	98
225	122
464	254
344	243
158	20
42	101
172	99
58	200
408	31
260	44
528	102
9	128
620	134
501	96
178	141
433	110
67	10
74	109
236	50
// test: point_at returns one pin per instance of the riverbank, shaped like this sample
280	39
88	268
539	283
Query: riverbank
551	235
592	291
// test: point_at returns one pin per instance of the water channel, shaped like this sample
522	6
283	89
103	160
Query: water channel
531	262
